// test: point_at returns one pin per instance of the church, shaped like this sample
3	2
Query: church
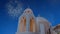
29	24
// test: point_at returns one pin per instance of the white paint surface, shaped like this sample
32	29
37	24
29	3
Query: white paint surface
42	29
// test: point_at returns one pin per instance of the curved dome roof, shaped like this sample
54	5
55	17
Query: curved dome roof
43	20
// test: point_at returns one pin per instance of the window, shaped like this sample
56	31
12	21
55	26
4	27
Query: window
32	25
23	24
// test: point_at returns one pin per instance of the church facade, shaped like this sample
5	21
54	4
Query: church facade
29	24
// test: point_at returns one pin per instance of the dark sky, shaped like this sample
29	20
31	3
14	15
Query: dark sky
49	9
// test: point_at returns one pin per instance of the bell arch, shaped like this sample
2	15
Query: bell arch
23	24
32	24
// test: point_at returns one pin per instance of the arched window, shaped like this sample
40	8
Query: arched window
32	25
23	24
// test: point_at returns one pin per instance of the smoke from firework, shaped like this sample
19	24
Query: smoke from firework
14	8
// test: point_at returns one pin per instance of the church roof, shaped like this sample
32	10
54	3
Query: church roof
28	10
41	18
57	27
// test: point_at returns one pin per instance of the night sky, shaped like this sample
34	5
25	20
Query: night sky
49	9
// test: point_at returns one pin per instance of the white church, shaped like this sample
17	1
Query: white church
29	24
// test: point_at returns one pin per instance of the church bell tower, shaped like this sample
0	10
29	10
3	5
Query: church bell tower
26	22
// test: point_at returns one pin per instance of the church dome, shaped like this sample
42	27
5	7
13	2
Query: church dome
41	19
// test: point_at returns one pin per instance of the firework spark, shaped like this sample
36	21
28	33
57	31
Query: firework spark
14	8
